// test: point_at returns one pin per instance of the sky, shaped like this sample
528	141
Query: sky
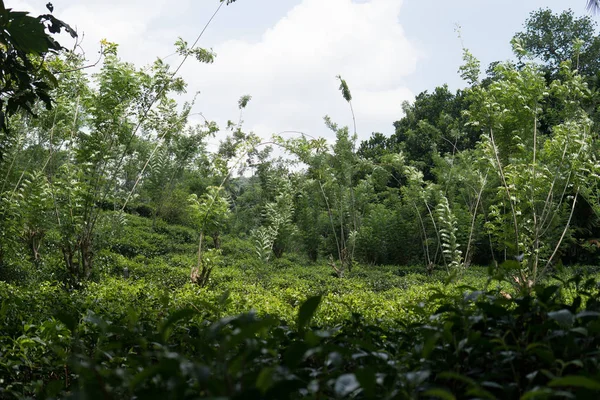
286	54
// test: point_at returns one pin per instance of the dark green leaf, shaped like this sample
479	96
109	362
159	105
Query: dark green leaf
575	381
368	381
307	311
167	325
563	317
439	394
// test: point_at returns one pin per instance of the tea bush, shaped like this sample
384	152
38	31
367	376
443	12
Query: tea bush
141	329
136	340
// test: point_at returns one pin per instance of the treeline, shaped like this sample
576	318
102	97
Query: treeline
504	169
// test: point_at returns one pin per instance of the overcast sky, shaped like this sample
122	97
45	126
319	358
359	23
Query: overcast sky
287	53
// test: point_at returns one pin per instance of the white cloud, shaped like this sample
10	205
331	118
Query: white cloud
291	72
133	24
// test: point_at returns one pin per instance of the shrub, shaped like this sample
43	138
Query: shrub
136	340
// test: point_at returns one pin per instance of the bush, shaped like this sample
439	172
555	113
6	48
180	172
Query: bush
140	341
138	236
236	248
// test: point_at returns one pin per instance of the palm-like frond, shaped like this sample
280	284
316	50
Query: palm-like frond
593	6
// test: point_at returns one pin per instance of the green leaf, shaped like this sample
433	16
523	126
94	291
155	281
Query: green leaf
474	387
53	388
368	381
493	385
28	34
346	384
440	394
493	310
307	311
547	292
344	89
457	377
575	381
294	354
581	330
585	314
167	326
429	344
265	380
564	317
69	320
537	393
511	265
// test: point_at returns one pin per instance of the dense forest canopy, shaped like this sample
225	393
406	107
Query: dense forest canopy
126	246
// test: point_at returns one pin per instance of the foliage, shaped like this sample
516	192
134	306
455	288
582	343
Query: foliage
477	343
554	38
24	78
209	212
275	234
538	175
433	123
300	285
448	229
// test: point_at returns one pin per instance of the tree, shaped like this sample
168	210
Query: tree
209	214
432	124
24	75
541	177
555	38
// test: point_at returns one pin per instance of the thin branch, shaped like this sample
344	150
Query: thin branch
425	238
562	236
84	67
503	177
473	220
437	232
160	93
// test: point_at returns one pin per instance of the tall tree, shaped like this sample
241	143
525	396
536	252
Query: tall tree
433	124
555	38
